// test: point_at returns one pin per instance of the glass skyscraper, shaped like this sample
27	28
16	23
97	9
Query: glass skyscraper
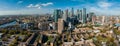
57	14
84	16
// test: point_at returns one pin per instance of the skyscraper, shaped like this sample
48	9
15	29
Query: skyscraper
78	14
93	18
72	13
84	16
60	25
65	15
57	14
103	20
89	16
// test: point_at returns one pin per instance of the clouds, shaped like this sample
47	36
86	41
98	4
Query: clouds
99	11
34	6
104	5
97	6
38	6
24	12
105	8
19	2
47	4
30	5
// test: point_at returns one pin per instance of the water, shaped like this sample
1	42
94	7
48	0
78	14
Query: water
8	24
117	24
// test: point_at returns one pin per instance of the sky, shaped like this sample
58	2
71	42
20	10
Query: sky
100	7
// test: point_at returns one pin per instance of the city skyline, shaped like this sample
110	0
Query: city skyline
59	23
100	7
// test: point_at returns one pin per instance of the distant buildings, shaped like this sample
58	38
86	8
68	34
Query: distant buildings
68	16
80	16
43	26
71	13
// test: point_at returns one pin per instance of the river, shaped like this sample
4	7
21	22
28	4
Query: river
8	24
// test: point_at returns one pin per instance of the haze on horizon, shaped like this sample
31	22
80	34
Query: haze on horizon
101	7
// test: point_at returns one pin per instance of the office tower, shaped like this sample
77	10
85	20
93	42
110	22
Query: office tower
84	17
103	19
78	14
65	15
72	13
93	18
62	12
57	14
60	25
89	16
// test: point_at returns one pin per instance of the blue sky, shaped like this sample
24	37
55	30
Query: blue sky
101	7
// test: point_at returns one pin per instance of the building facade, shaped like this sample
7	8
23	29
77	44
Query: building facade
57	14
84	16
60	25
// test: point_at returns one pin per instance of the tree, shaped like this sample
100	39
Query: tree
4	31
5	39
15	41
12	45
8	35
11	32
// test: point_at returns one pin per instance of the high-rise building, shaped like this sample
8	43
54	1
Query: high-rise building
60	25
93	18
72	13
65	15
57	14
78	14
84	16
89	16
103	20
